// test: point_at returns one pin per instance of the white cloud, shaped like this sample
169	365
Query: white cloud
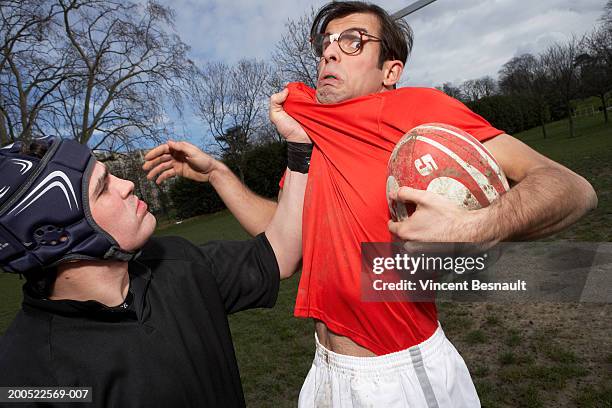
455	43
455	40
229	31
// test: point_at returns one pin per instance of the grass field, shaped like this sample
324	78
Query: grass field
525	355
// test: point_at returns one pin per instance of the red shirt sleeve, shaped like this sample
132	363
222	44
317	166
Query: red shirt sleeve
407	108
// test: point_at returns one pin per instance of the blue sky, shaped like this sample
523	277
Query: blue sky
455	40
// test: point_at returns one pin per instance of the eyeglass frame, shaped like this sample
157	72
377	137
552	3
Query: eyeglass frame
336	37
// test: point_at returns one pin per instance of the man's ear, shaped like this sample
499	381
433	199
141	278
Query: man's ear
392	72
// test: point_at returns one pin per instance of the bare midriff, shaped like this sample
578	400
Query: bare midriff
338	343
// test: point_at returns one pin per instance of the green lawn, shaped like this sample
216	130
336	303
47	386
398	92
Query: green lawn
547	355
589	154
10	299
538	355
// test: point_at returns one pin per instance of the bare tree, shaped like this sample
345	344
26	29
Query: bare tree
607	16
517	75
32	66
596	64
526	76
487	86
102	72
293	56
451	90
232	101
469	90
130	65
560	63
475	89
595	71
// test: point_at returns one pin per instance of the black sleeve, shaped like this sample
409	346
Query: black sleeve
246	272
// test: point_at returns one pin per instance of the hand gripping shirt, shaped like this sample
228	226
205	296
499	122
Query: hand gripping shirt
345	205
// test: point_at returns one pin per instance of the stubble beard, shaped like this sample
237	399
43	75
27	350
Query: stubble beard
328	97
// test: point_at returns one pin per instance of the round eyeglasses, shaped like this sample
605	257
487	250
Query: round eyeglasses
350	41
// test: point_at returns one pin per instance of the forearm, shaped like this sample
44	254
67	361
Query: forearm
253	212
547	200
285	230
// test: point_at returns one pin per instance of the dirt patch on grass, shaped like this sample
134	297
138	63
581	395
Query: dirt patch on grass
536	354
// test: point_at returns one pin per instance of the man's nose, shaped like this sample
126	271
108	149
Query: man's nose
130	186
126	187
332	52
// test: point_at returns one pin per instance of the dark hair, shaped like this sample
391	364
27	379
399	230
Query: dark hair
396	35
40	281
36	148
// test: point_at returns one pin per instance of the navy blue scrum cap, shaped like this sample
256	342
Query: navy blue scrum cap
45	218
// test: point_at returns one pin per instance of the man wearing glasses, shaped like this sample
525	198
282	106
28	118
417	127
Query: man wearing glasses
387	354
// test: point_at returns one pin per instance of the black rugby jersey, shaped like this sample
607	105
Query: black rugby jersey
169	344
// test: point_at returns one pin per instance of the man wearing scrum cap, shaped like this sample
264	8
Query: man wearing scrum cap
140	320
386	354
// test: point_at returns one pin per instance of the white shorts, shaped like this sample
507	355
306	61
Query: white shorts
430	374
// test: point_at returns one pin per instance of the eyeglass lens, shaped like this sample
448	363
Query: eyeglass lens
349	42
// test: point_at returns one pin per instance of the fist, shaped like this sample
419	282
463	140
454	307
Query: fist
288	127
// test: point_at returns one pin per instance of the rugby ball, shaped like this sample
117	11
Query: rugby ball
448	161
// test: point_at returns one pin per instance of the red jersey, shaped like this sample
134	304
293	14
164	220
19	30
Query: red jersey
345	205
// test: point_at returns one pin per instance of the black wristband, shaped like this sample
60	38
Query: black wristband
298	156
